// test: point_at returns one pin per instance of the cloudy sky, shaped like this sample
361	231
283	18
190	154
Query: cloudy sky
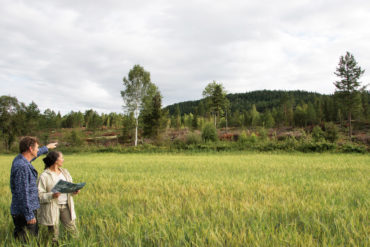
72	55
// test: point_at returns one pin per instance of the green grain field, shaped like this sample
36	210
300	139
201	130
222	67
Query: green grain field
212	200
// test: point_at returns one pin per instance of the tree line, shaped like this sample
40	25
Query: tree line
350	102
144	115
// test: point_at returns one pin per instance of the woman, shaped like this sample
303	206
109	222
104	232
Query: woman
55	206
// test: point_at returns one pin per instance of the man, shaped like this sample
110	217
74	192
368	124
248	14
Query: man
23	185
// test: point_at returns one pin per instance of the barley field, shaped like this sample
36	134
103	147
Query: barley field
211	200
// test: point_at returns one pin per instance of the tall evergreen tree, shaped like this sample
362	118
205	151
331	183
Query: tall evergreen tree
348	87
152	114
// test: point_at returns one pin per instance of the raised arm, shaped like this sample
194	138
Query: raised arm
45	149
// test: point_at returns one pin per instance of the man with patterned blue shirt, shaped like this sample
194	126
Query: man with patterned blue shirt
23	185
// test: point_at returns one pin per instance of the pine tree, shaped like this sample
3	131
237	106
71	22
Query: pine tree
348	88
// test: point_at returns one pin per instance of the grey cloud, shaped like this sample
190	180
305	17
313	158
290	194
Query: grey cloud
72	55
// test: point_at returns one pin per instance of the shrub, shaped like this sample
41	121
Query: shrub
75	138
316	147
352	148
331	132
209	133
263	134
179	143
317	134
193	138
289	144
252	138
243	137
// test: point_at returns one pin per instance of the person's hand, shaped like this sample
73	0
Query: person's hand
52	145
56	194
31	221
76	192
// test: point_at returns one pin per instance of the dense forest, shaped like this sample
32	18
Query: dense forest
277	108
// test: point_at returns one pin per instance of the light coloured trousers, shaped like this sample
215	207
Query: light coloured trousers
68	223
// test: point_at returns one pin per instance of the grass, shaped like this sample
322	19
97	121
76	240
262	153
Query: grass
212	200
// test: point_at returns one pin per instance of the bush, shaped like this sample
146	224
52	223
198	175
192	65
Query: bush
352	148
316	147
331	132
252	138
179	143
193	138
243	137
75	138
263	134
317	134
209	133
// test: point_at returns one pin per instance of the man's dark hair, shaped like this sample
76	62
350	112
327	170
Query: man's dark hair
27	142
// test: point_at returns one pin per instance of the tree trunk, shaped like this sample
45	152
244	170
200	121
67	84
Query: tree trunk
350	125
137	123
226	120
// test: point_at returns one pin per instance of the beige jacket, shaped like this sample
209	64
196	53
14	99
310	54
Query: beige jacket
48	213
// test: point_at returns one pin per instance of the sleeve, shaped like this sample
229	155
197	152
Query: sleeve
22	182
42	150
44	195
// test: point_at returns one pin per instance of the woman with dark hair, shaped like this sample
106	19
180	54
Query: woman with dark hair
55	206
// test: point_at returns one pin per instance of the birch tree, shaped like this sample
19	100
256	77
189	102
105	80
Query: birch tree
215	95
136	86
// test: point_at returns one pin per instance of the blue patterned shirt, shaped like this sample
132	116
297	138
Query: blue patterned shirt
23	185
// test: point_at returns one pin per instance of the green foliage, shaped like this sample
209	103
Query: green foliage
193	138
268	120
32	114
348	88
75	138
48	120
331	132
93	120
77	119
317	134
194	121
316	147
152	112
209	133
252	138
12	120
215	97
262	132
243	137
255	116
136	88
128	127
352	148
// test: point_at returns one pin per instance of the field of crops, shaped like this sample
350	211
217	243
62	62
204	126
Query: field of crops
212	200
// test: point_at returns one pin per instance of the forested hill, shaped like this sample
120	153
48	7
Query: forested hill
263	100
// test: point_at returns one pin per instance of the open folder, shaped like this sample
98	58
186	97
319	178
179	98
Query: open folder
67	187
